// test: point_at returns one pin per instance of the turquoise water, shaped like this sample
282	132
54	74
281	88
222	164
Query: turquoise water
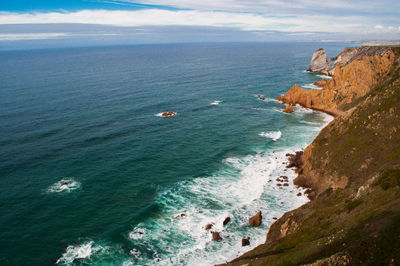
90	174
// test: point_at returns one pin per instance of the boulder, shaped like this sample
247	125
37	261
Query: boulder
227	220
216	236
208	226
321	83
167	114
289	109
245	241
256	219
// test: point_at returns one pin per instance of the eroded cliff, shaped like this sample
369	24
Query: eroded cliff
354	168
354	76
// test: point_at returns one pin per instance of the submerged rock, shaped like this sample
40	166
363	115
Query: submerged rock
256	219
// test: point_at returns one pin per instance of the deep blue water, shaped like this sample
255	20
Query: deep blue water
88	117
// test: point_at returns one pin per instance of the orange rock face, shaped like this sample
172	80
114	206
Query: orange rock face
349	83
288	109
256	219
167	114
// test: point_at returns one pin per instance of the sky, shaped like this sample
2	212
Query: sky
161	21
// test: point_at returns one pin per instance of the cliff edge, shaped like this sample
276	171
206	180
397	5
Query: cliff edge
353	167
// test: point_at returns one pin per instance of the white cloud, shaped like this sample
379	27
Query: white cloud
387	29
158	17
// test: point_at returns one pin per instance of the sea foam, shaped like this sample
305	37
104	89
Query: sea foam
216	102
274	135
66	184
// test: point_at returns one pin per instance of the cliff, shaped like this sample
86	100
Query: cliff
353	166
357	70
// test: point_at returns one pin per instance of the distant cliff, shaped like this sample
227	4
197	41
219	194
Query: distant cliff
352	169
356	72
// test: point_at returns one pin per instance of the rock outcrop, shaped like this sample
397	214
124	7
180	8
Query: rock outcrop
363	70
256	220
226	221
353	171
319	63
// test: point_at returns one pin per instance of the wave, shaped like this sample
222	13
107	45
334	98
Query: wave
274	135
324	76
67	184
216	102
240	189
311	86
81	251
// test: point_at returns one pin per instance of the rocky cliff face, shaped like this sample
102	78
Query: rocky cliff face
354	167
357	71
319	63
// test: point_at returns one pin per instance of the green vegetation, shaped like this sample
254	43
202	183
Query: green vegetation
358	224
389	178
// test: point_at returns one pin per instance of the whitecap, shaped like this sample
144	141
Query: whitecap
216	102
67	184
81	251
274	135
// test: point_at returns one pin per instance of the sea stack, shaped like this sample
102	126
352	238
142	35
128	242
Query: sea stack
319	63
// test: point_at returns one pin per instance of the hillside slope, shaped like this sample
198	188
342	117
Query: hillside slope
353	166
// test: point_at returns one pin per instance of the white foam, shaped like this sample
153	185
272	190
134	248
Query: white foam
311	86
274	135
216	102
324	76
66	184
82	251
239	190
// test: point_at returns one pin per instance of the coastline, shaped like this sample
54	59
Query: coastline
344	170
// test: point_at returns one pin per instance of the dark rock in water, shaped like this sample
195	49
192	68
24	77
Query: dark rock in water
208	226
299	194
274	218
279	185
319	63
227	220
285	184
284	177
295	160
245	241
180	215
216	236
256	219
287	154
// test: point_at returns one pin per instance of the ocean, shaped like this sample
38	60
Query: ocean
91	174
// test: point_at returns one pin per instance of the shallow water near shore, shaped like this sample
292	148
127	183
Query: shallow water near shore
92	174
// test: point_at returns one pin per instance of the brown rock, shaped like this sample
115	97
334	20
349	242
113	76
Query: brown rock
279	185
299	194
167	114
208	226
256	219
289	109
245	241
321	83
226	221
216	236
285	184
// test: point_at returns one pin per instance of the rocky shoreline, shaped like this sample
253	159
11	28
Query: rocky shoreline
352	168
